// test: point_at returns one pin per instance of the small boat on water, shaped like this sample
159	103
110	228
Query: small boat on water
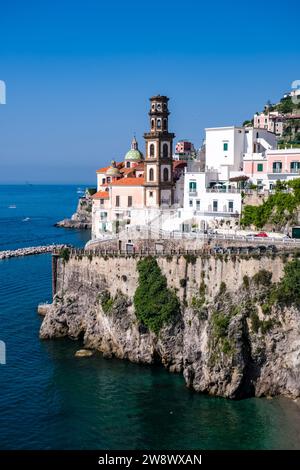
26	219
12	206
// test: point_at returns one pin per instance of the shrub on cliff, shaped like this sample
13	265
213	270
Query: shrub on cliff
65	254
155	304
288	291
262	277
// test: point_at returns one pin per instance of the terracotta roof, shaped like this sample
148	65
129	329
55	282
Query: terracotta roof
101	195
127	171
139	167
128	182
103	170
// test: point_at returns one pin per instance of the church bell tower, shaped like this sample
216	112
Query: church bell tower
159	151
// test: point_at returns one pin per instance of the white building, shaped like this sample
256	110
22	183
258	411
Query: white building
207	203
226	147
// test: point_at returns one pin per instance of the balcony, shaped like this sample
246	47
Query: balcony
225	190
193	193
210	213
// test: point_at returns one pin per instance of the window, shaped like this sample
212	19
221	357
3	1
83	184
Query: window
164	124
215	206
192	186
225	146
101	202
198	205
117	201
127	164
151	150
108	179
151	194
230	206
165	151
158	107
103	180
129	201
158	123
103	215
277	167
151	174
295	167
152	123
191	202
260	167
166	174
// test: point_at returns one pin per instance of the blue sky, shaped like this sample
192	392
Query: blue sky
79	75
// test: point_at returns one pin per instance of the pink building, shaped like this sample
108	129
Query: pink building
184	150
265	170
271	121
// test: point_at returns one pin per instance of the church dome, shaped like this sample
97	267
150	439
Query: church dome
113	170
134	154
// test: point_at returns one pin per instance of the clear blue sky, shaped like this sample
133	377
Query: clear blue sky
79	75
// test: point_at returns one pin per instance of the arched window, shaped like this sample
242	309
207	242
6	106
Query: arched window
165	124
151	150
158	124
152	123
165	151
151	174
127	164
166	174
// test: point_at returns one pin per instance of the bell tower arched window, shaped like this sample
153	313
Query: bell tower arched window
165	150
151	174
151	150
165	124
152	123
166	174
158	123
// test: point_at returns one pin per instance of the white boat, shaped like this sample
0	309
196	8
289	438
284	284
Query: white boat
12	206
26	219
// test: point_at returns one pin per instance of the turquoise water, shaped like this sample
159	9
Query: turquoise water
51	400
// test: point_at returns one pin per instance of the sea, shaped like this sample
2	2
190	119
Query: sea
50	399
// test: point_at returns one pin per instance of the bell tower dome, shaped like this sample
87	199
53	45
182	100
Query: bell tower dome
159	151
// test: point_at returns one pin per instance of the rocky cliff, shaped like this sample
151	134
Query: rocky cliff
82	218
231	338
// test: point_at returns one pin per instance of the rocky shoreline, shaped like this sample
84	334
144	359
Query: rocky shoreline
32	250
73	224
82	218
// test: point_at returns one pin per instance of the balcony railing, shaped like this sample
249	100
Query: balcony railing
224	190
223	213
